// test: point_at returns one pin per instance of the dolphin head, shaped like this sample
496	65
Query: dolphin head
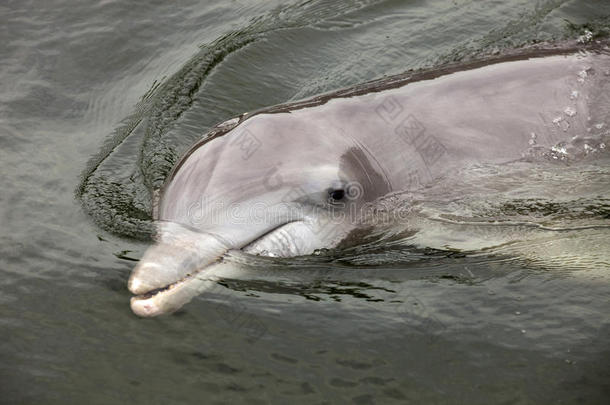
276	185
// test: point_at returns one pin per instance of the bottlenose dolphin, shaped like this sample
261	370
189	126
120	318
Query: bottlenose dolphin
290	179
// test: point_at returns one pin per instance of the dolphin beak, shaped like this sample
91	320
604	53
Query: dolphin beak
183	263
166	263
179	254
179	293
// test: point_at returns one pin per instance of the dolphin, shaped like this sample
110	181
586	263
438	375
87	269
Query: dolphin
288	180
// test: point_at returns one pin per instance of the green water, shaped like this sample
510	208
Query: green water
116	91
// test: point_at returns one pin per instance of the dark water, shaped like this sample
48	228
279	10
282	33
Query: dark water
140	81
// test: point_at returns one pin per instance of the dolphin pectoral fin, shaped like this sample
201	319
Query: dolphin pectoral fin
179	253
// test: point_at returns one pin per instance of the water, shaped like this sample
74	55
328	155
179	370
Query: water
385	322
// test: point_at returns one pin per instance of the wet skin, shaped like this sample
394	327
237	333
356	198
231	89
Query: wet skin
291	179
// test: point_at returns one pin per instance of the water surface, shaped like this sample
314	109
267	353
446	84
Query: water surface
118	91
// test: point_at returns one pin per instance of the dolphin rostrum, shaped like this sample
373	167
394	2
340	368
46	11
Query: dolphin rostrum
290	179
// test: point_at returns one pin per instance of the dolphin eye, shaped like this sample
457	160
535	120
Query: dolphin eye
336	195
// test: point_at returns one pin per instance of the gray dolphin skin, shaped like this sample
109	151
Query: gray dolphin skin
288	180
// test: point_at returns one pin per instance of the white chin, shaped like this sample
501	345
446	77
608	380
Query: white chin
294	239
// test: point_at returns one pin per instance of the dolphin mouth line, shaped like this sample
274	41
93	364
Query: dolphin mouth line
197	272
193	275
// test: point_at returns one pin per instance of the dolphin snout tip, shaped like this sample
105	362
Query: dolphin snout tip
136	286
144	308
138	283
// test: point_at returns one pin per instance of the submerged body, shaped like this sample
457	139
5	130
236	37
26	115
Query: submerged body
291	179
